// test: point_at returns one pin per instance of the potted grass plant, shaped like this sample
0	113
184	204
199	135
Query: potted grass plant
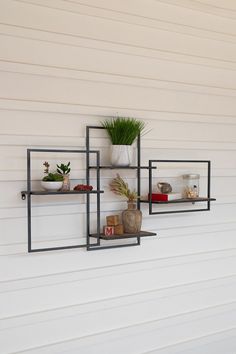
122	131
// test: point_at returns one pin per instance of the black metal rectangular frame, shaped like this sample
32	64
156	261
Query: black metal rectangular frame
138	167
150	203
29	194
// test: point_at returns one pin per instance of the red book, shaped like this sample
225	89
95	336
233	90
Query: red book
162	197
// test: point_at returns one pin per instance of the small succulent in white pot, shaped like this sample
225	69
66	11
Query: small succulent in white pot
122	131
52	181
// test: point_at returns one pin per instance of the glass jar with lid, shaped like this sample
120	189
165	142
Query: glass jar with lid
191	185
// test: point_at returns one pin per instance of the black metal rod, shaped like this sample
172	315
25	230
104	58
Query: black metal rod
150	186
98	200
178	211
180	201
55	248
88	151
138	170
60	150
88	182
177	161
95	127
209	185
138	177
94	248
29	200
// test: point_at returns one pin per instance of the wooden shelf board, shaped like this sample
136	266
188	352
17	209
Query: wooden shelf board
124	236
182	200
60	192
110	167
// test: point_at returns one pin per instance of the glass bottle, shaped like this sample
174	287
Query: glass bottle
191	185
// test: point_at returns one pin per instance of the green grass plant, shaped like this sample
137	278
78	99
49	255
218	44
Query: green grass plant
123	130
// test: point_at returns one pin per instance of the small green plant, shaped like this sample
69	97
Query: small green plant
123	130
119	187
51	177
63	169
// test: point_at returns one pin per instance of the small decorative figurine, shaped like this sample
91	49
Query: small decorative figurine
83	187
164	187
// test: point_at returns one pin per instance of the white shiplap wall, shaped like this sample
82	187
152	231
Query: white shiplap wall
68	63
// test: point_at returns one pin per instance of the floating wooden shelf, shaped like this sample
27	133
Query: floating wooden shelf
60	192
110	167
182	200
124	236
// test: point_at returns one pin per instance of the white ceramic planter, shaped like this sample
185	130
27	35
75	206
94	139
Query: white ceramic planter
121	155
51	186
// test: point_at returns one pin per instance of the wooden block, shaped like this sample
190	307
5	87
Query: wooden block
113	220
108	230
119	229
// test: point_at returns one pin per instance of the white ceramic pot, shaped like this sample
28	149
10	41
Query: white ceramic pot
51	186
121	155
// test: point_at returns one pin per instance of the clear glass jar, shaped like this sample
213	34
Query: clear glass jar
191	185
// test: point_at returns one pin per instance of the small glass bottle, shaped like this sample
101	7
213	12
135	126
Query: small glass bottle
191	185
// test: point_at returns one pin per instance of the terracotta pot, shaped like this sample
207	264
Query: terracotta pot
132	219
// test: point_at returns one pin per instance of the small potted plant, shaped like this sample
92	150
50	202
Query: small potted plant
64	171
122	132
52	181
131	218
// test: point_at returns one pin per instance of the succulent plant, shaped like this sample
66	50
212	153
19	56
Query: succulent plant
63	169
51	177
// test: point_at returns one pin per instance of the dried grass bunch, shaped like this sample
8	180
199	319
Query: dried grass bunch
119	187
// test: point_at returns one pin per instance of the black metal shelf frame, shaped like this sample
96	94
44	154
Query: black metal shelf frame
98	236
138	169
29	193
208	199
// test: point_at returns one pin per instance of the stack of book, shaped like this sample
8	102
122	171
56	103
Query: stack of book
164	197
